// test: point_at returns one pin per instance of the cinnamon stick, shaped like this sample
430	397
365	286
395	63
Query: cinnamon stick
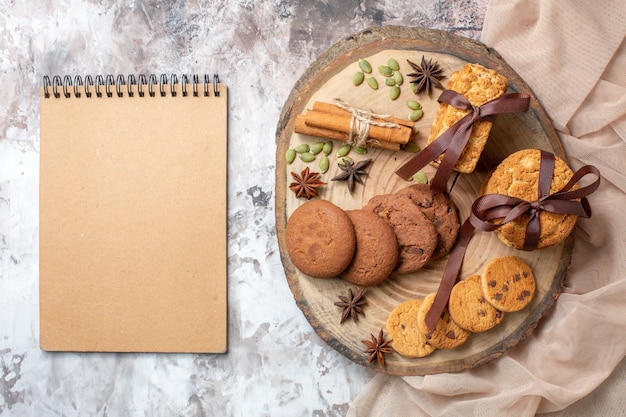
334	109
342	123
304	129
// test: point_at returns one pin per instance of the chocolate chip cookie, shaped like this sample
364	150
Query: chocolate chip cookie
508	283
469	308
441	211
416	234
407	340
447	334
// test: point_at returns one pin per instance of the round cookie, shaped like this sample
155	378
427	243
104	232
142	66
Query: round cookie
518	176
402	329
376	253
469	308
447	334
441	211
416	235
320	239
508	283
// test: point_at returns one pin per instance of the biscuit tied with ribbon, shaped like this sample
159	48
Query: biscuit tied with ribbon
454	140
490	207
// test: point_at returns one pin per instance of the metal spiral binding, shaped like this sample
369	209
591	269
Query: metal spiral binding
120	85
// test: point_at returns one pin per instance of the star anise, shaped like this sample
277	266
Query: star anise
306	183
426	76
352	304
352	172
377	347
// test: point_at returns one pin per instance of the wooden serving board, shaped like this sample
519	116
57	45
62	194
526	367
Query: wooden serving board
329	78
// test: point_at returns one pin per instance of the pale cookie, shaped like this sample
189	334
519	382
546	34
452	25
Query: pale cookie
508	283
376	253
447	334
518	176
407	340
469	308
416	235
320	239
479	85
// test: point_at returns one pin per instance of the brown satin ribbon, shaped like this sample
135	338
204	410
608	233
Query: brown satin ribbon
454	140
498	206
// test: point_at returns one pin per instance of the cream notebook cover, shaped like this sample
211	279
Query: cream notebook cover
133	219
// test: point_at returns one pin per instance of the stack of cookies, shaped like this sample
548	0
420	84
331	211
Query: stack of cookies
476	304
478	85
518	176
398	232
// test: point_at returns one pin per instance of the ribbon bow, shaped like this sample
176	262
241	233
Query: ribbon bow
498	206
454	140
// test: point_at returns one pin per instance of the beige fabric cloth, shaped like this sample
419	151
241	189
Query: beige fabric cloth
573	55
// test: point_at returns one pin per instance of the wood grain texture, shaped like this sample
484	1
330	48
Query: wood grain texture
329	77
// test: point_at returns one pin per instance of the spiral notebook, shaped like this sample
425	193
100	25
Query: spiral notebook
133	221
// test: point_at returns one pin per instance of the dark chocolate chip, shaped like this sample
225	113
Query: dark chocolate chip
451	335
413	250
426	203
